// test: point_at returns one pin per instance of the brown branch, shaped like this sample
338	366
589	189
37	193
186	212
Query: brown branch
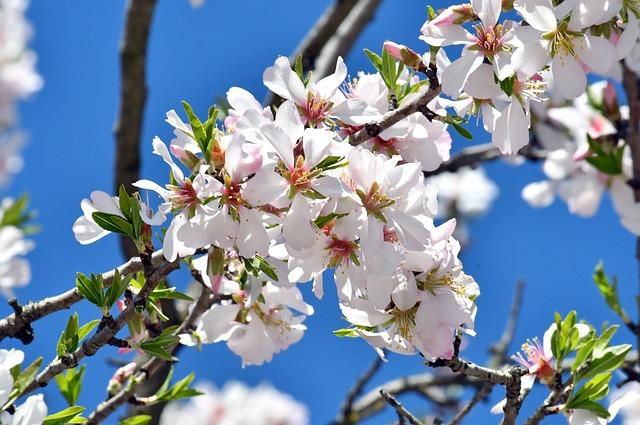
14	325
153	276
475	155
630	84
344	417
148	369
373	129
482	393
371	403
498	354
133	95
344	37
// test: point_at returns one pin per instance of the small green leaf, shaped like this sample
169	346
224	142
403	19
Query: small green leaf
86	329
346	332
68	341
63	416
136	420
70	384
196	126
113	223
609	291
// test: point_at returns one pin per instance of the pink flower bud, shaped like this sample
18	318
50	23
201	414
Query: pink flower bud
119	378
454	15
404	54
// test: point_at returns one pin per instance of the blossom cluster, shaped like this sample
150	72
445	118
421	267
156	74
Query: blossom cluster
275	197
278	199
18	80
237	404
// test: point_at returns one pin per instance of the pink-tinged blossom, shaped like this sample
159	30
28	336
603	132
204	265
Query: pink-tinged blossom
316	100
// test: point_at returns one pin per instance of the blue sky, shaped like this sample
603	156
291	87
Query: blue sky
197	55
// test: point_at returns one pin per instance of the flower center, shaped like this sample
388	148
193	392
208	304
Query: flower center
405	322
562	40
184	196
387	146
489	39
375	200
342	252
316	109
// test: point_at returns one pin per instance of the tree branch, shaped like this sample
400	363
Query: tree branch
400	409
347	407
419	104
14	325
344	37
203	303
475	155
153	275
630	84
133	95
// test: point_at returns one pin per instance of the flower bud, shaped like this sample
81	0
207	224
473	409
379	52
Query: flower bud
119	378
404	54
454	15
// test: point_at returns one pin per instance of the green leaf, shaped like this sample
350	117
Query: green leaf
196	126
346	333
606	361
179	390
595	389
323	220
70	384
594	407
263	265
16	213
86	329
63	416
169	294
297	67
90	289
136	420
330	162
68	341
115	291
462	131
609	291
23	380
375	59
156	351
113	223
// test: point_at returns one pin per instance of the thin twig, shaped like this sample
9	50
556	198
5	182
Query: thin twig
400	409
475	155
478	396
498	354
203	303
373	129
347	407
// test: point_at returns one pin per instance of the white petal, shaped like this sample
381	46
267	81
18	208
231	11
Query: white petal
456	75
568	75
538	13
281	80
